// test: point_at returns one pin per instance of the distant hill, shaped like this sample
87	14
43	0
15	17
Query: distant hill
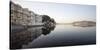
84	23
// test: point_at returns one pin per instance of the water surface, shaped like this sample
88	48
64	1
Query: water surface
61	35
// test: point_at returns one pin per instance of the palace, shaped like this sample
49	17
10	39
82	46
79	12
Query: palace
23	16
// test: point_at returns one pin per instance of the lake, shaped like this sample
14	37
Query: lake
60	35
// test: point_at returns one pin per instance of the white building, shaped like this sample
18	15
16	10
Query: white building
32	18
23	16
38	20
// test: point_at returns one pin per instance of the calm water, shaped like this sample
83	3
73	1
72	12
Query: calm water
61	35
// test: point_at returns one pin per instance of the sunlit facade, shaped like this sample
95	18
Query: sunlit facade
23	16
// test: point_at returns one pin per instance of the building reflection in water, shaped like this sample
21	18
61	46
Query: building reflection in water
27	36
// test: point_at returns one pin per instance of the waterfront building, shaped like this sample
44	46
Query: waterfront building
23	16
38	20
32	18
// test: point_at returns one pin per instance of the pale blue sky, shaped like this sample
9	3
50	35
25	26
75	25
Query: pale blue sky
62	13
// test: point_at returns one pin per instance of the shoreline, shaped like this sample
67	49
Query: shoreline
19	28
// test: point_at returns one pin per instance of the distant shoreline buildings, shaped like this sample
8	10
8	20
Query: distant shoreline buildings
23	16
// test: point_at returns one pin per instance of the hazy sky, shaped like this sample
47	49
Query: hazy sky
62	13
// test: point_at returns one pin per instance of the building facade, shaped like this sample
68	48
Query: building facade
38	19
23	16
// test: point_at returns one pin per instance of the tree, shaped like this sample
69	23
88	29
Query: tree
45	18
52	20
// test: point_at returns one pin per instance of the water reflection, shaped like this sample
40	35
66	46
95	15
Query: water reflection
47	30
61	35
17	40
